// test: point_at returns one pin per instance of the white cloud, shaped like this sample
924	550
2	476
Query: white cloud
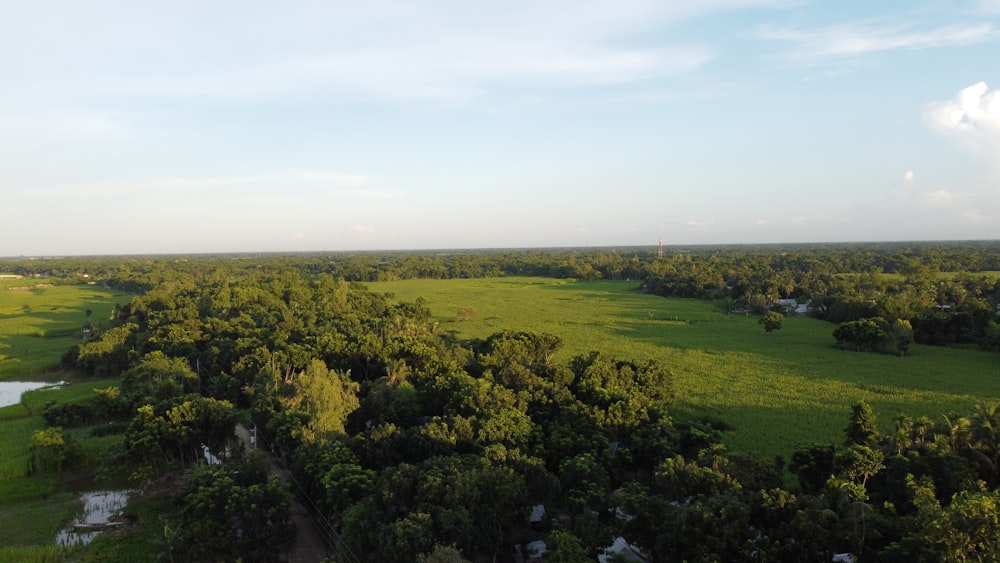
359	232
974	216
856	39
385	48
938	196
973	118
289	179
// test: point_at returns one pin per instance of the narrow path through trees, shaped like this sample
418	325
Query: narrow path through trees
310	545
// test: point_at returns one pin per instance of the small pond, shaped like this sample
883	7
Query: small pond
10	391
100	511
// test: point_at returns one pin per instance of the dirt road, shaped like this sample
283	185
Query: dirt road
310	543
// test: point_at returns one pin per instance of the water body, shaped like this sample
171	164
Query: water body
10	391
99	507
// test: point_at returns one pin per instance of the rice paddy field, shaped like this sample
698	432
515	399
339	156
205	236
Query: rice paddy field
778	390
39	322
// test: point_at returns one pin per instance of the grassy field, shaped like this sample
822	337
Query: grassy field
39	322
779	390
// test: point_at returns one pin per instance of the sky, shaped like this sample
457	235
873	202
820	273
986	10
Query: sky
142	127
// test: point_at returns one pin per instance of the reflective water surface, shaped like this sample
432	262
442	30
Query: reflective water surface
99	508
10	391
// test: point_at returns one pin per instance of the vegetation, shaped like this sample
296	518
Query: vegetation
39	321
775	391
430	426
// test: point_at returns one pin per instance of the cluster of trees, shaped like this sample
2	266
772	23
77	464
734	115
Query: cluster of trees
875	334
877	309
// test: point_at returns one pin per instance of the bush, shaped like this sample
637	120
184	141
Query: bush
68	415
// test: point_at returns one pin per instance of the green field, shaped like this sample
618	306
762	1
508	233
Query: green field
39	322
779	390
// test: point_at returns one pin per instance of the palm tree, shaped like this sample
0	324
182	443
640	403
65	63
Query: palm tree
985	426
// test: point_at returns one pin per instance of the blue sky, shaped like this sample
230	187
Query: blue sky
221	126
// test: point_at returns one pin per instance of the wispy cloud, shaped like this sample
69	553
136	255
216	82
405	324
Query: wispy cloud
62	126
435	49
283	187
845	41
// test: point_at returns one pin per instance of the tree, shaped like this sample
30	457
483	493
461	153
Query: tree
771	320
326	396
442	554
862	430
157	441
901	336
564	547
864	335
157	378
54	448
236	513
813	465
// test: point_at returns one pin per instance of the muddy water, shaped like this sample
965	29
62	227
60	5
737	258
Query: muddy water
99	507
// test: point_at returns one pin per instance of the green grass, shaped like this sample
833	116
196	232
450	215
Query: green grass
39	323
35	400
36	487
36	522
779	390
35	554
13	411
15	440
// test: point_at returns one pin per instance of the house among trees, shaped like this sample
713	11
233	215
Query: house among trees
621	550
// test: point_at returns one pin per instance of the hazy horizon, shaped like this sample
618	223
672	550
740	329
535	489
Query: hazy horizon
226	127
472	250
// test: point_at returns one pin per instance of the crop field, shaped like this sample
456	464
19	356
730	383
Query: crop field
778	390
39	322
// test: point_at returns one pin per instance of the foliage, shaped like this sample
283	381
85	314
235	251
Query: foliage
54	449
174	434
157	378
233	513
326	397
723	366
15	453
40	320
771	320
33	554
442	554
564	547
414	431
863	428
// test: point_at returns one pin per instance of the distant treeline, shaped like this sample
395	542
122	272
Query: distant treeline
581	263
939	288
